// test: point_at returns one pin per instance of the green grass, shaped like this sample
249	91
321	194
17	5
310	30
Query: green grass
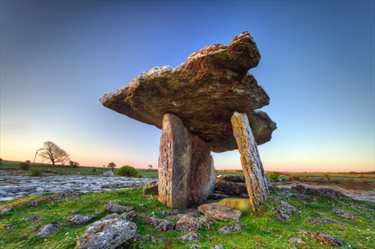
259	227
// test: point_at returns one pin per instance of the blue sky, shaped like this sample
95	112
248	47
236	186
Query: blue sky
59	57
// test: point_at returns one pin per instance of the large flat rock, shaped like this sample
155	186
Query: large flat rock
203	92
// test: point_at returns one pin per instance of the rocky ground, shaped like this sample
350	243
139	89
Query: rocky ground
12	186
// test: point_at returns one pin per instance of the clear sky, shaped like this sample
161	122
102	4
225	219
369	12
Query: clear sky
59	57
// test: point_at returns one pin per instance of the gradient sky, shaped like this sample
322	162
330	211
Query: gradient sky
58	58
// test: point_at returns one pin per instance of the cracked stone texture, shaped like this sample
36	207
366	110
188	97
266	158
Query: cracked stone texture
289	208
46	230
187	224
204	92
221	213
108	234
257	186
322	237
116	208
296	241
229	228
174	163
190	237
281	215
160	224
130	216
81	219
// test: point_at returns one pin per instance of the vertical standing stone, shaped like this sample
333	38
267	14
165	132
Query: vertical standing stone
252	166
202	171
174	163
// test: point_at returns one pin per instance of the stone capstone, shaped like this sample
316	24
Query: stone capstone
204	92
108	234
257	186
221	213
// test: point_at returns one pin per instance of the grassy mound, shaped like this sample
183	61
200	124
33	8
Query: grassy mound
128	171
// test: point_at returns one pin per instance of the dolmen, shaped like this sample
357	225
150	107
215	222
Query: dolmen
208	103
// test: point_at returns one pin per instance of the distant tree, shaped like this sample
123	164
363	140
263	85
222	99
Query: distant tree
73	164
274	176
51	152
150	166
111	165
28	161
327	177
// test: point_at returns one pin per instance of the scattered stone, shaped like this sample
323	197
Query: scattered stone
130	216
151	188
231	178
304	203
257	244
296	241
322	237
111	216
301	196
150	238
220	212
195	247
34	203
289	208
162	239
321	214
281	215
231	188
325	192
219	246
4	210
193	212
190	237
64	195
107	234
165	213
216	196
344	214
205	223
229	229
74	211
81	219
33	218
46	230
327	221
8	227
160	224
108	173
116	208
187	224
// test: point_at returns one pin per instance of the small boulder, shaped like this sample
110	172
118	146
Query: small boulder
187	224
229	229
107	234
195	247
343	214
301	196
289	208
151	188
150	238
281	215
8	227
33	218
46	230
115	208
205	223
190	237
130	216
4	210
296	241
160	224
218	212
231	188
111	216
108	173
322	237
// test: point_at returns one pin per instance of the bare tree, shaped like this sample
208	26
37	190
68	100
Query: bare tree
150	167
112	165
50	151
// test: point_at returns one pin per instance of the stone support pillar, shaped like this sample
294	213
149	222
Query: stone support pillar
257	186
202	171
174	163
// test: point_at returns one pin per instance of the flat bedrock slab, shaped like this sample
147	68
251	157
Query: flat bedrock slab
204	92
221	213
174	163
257	186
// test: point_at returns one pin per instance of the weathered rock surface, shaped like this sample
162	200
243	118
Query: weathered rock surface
116	208
301	196
220	212
130	216
202	171
108	173
4	210
190	237
187	224
81	219
151	188
108	234
257	186
33	218
325	192
111	216
193	212
231	178
344	214
289	208
231	188
229	228
8	227
322	237
327	221
160	224
204	92
46	230
174	163
281	215
296	241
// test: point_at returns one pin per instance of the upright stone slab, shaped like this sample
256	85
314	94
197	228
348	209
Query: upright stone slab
202	171
252	166
174	163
